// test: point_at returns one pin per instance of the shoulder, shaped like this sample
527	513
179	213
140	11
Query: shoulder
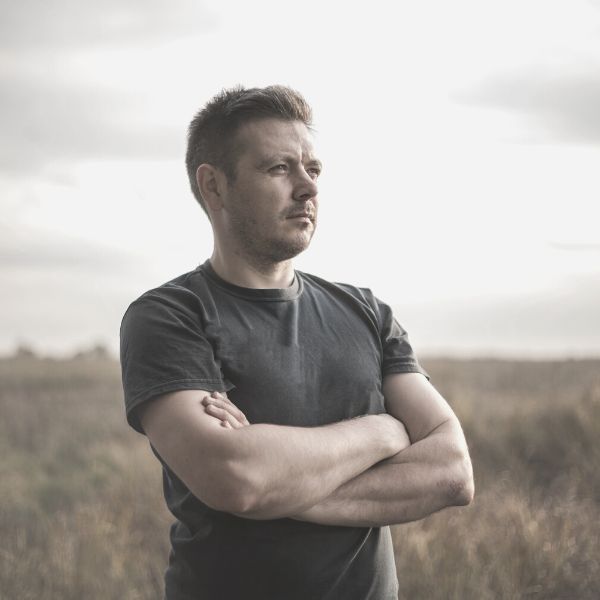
183	294
361	294
360	297
165	344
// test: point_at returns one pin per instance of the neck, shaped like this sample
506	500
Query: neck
245	272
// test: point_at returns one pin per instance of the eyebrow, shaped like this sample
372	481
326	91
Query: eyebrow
273	158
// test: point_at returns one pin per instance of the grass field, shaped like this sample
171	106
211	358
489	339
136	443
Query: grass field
82	515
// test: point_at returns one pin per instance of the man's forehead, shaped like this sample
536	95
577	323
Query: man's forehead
276	136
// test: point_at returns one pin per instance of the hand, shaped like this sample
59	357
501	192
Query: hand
220	407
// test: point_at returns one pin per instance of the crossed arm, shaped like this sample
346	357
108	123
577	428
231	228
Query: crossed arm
431	473
362	472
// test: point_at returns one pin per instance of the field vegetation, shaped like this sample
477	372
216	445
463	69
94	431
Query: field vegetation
82	514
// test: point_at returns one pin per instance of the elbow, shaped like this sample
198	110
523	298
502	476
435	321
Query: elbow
461	486
251	503
235	501
231	489
461	492
246	496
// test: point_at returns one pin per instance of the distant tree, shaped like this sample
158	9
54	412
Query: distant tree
97	352
24	351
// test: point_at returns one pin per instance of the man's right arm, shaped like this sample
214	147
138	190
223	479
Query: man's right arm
263	471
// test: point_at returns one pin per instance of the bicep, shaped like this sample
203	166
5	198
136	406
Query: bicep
191	442
413	400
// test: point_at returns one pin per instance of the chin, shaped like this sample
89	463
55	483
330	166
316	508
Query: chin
283	250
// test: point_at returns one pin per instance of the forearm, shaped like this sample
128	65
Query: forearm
294	468
426	477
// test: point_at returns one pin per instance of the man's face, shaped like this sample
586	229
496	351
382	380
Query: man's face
270	207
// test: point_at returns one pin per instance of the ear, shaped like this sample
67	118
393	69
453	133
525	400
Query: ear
211	183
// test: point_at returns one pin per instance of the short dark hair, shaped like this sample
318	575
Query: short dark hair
212	130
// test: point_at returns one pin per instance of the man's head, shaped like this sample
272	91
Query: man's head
253	169
212	134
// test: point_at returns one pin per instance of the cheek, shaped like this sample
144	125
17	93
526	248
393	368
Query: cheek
262	203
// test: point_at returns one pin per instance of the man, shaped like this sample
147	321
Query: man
246	377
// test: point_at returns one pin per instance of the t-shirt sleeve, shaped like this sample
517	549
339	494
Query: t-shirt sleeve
398	354
164	349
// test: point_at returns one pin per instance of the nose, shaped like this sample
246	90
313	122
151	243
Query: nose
305	186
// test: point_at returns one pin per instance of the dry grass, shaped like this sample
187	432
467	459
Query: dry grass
81	509
534	529
82	515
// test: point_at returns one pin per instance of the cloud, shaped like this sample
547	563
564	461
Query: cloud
61	291
561	321
48	113
559	104
576	246
28	251
43	120
28	25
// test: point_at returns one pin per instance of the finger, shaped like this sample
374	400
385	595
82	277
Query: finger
223	415
222	401
239	415
217	400
226	404
225	419
215	396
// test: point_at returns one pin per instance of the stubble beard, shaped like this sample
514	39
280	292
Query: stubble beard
264	250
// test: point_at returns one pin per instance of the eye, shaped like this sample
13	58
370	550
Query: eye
314	172
282	168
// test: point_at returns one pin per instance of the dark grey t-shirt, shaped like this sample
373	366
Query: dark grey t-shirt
308	355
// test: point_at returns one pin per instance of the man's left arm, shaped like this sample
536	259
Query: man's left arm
432	473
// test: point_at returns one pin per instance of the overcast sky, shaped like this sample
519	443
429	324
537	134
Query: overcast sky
461	144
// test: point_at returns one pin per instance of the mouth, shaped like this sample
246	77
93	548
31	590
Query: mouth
303	215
